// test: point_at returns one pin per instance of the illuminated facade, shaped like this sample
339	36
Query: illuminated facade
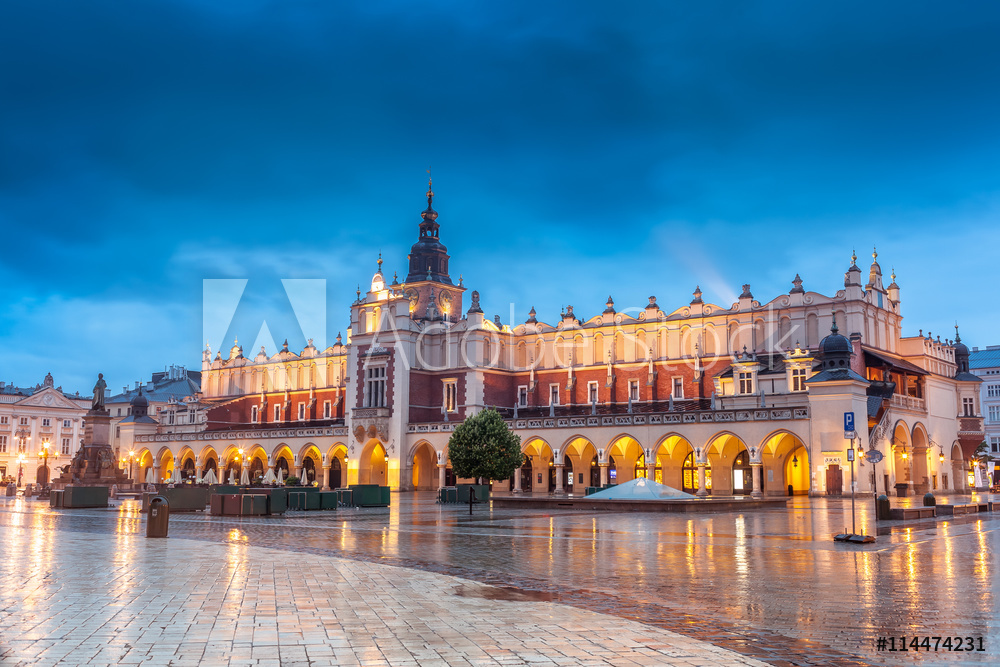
737	399
41	427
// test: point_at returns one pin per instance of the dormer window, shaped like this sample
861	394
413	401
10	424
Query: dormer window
798	379
746	382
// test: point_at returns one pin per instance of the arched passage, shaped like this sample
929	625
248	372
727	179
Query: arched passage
722	453
578	453
785	462
673	467
535	472
624	453
424	465
373	465
902	451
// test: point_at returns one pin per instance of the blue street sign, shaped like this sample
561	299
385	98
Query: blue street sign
848	422
873	456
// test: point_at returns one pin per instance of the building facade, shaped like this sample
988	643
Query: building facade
712	399
41	427
985	363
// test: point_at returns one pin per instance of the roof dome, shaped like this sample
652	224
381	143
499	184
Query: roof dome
835	350
140	400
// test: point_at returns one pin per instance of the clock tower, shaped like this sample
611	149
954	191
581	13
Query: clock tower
428	286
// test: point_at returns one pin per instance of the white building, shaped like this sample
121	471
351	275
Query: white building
41	427
985	363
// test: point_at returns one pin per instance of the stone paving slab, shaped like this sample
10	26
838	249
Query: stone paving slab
69	598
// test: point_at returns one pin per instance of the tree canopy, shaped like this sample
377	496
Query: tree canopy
483	446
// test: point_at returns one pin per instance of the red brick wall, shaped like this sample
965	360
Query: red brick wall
239	411
427	396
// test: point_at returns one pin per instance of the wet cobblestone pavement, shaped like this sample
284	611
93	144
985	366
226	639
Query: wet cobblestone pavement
771	585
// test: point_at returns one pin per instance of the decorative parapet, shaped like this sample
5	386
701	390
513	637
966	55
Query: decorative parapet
717	416
269	434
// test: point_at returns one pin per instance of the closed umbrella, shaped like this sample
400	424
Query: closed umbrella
269	477
210	477
149	476
232	477
176	477
281	476
245	477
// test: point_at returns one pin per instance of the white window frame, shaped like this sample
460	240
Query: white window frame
677	387
254	414
65	445
593	392
4	419
745	382
633	390
798	379
170	418
994	414
67	423
554	394
302	412
969	407
277	413
46	422
450	395
522	396
3	444
24	421
376	379
327	409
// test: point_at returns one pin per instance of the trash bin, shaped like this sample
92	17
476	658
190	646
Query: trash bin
12	489
902	490
159	516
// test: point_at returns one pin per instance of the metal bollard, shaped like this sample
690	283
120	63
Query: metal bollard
159	517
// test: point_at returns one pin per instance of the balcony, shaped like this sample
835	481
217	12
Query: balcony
900	402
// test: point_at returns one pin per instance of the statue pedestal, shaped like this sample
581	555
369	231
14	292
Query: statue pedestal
95	463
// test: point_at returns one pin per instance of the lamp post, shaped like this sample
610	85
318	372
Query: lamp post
20	468
44	455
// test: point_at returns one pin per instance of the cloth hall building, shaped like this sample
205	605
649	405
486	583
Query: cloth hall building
745	398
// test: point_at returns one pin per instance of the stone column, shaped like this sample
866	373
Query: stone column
651	470
604	474
559	479
156	472
702	491
517	481
326	478
441	474
755	471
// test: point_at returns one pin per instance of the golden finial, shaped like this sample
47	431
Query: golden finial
854	258
380	261
874	254
430	189
893	274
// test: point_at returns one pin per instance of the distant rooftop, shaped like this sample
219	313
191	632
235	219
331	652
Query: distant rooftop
987	358
176	383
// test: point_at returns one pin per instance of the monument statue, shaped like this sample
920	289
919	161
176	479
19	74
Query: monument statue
99	388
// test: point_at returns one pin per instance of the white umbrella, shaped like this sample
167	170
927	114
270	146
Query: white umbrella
245	477
232	477
176	475
210	477
281	476
269	477
149	476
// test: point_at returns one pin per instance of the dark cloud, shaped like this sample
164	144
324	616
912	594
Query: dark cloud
757	136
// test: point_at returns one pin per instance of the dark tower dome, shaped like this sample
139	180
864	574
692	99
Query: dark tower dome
428	256
140	405
835	350
961	353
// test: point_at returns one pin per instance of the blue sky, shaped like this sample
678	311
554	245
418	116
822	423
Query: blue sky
578	149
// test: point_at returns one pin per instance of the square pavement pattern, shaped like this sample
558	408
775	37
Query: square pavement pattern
424	584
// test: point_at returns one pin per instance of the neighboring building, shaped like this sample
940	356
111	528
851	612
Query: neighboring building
41	427
746	398
169	398
985	364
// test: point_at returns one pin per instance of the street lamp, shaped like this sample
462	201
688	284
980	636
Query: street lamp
44	455
20	468
131	457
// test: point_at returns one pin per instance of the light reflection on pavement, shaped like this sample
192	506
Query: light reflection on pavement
770	584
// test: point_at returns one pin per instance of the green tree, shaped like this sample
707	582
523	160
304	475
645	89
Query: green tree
483	447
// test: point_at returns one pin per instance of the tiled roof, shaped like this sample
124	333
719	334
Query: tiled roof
985	358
